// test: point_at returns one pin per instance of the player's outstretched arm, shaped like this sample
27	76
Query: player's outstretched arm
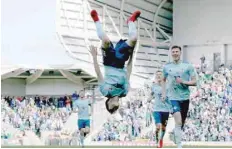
93	51
129	67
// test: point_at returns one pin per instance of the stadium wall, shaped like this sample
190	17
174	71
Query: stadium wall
52	87
201	26
13	87
199	21
18	87
194	53
229	54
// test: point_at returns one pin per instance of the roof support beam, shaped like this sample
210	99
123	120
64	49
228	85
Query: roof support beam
90	80
164	34
145	20
70	76
170	10
34	77
13	73
156	15
121	16
85	76
113	23
93	83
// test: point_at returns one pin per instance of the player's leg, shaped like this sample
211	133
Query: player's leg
164	120
101	34
157	119
81	128
178	122
157	132
137	131
124	48
146	119
82	132
87	130
177	130
184	106
82	136
108	52
87	127
132	29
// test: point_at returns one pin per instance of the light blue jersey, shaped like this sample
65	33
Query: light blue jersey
183	70
159	105
115	82
83	108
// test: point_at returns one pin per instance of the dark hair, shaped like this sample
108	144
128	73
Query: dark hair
175	46
114	109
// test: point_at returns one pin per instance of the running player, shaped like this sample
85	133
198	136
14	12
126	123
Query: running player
161	109
83	115
115	83
180	75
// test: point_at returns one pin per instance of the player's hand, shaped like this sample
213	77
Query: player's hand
93	50
179	80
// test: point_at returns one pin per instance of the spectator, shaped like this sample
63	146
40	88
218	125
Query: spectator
74	98
68	103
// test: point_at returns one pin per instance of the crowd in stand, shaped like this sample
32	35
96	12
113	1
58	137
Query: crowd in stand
42	101
36	114
210	111
31	116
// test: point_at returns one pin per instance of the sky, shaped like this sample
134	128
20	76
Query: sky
29	33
